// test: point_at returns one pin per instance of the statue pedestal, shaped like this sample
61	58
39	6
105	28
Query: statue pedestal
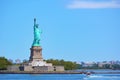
36	53
36	57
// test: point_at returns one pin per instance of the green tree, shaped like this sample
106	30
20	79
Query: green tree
106	66
116	66
67	64
4	63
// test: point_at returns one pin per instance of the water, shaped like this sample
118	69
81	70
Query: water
63	76
100	70
103	77
59	77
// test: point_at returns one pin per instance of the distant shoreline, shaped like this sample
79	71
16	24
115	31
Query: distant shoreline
56	72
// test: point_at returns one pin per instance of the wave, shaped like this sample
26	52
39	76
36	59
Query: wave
101	77
95	76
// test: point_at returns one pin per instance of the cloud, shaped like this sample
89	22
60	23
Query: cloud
94	4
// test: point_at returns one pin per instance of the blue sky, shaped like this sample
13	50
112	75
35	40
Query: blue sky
75	30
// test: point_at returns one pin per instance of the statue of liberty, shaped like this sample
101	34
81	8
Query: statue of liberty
37	34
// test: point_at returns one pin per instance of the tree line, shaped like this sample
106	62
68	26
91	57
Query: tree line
4	63
68	65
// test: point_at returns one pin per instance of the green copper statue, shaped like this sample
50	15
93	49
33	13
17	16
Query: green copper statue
37	34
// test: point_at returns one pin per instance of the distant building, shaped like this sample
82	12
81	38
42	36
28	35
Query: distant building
88	64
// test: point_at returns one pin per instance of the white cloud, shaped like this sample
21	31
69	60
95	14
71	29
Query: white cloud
94	4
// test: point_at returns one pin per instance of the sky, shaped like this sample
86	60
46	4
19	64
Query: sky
73	30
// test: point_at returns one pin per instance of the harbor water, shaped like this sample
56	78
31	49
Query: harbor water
59	77
62	76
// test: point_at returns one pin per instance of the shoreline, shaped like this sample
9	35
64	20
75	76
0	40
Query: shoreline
56	72
35	72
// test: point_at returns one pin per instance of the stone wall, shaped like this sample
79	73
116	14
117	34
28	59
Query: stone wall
13	68
28	68
58	68
43	68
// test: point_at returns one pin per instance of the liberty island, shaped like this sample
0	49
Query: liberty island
36	49
36	62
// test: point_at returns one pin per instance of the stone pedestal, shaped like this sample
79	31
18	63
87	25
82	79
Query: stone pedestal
36	57
36	53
